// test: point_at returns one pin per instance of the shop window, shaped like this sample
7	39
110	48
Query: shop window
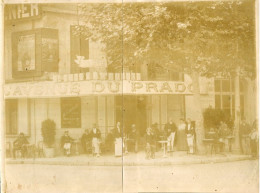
11	112
226	101
79	46
224	96
71	112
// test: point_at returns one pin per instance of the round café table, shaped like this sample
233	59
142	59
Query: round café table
164	148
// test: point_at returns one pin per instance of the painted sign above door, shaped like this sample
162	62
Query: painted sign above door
22	11
84	88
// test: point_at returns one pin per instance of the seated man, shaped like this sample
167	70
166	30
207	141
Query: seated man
85	140
20	144
150	144
66	141
95	136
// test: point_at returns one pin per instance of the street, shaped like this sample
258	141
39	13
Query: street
241	176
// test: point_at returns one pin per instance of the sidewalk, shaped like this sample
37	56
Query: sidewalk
132	159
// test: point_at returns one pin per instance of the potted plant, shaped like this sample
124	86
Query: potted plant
48	134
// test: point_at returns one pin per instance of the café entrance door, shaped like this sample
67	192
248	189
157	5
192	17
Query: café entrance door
133	111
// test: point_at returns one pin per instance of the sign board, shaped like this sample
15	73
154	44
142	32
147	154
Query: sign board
70	112
22	11
94	87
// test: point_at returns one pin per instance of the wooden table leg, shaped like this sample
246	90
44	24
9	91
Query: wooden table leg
164	151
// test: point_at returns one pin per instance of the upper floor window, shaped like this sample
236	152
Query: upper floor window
79	46
34	52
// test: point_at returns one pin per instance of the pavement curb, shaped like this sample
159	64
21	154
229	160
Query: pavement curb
130	163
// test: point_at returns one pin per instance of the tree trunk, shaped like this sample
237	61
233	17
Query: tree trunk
200	148
237	112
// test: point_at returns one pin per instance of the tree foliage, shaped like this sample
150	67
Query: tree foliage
211	38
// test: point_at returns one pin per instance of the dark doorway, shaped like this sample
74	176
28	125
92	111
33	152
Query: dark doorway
134	112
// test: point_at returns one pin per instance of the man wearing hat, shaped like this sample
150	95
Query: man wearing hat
85	140
66	141
95	135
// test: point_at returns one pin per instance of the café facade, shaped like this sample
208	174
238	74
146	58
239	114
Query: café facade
44	80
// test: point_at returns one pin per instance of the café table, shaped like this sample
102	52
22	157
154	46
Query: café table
164	148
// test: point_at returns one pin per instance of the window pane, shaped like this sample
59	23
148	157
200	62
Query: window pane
226	101
227	112
217	102
225	86
217	85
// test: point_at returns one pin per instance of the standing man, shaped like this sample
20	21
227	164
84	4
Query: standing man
134	136
170	130
85	139
150	144
118	140
95	136
244	130
190	131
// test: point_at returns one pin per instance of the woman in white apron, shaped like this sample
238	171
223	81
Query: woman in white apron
181	136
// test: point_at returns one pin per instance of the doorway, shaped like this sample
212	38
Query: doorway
132	110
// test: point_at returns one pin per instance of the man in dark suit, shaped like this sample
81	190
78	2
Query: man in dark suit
190	132
170	130
244	130
134	137
20	144
85	140
95	135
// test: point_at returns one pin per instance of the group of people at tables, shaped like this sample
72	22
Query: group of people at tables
182	137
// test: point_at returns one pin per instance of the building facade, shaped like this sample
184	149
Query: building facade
44	80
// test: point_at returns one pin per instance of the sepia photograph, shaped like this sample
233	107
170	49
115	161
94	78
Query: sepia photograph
130	96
